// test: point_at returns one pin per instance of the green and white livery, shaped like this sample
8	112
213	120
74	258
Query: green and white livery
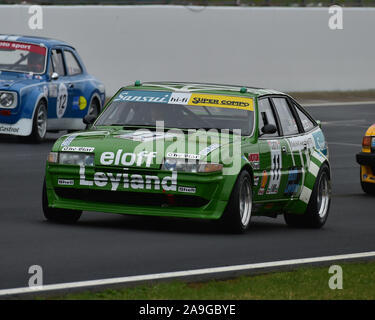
193	150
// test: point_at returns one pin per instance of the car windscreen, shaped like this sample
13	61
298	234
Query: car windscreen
22	57
179	110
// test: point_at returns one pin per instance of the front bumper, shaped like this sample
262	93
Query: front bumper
207	202
22	127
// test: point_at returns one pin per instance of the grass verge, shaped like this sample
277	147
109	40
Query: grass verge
304	283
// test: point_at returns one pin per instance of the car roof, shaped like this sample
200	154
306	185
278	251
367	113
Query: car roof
48	42
214	88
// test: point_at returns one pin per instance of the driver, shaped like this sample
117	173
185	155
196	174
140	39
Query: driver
35	62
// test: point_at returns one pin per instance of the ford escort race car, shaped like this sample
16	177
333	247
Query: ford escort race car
194	151
44	86
366	159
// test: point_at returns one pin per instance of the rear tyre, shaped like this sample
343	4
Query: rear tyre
368	188
237	215
58	215
317	210
39	129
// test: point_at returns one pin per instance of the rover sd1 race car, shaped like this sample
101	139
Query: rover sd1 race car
194	151
366	158
44	86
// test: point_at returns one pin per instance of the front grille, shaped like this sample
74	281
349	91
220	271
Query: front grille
132	198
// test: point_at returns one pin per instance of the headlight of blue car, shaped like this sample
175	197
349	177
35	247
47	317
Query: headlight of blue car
8	99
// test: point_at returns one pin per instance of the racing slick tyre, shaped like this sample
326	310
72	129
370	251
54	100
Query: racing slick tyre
39	128
58	215
368	188
317	210
94	108
237	215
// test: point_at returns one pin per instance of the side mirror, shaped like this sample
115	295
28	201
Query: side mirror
89	119
269	129
319	123
55	76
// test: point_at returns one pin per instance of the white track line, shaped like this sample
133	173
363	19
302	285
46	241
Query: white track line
337	104
180	274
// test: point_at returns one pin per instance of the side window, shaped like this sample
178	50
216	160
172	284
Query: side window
57	62
305	120
287	121
72	64
266	115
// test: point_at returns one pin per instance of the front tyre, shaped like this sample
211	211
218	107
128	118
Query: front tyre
58	215
39	128
317	210
237	215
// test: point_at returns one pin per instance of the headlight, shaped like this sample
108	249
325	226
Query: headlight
8	99
76	158
186	165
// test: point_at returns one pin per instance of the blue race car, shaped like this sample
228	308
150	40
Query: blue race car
44	86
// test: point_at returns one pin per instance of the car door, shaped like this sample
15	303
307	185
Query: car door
57	90
274	158
297	148
76	84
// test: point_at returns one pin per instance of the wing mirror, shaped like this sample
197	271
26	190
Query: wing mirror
89	120
55	76
269	129
319	123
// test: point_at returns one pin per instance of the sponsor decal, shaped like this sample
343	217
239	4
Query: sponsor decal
4	45
78	149
179	98
300	143
129	181
208	100
126	158
263	183
52	89
256	181
276	161
64	182
79	103
145	136
320	142
184	98
183	156
144	96
62	100
254	160
9	129
82	103
293	183
204	152
187	189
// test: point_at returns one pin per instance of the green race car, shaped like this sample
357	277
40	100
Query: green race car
193	150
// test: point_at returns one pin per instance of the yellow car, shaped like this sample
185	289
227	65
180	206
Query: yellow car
366	159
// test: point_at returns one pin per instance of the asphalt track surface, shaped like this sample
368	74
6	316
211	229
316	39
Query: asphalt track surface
104	246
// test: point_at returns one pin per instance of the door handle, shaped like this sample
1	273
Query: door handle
70	85
283	148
